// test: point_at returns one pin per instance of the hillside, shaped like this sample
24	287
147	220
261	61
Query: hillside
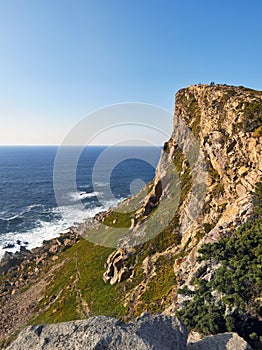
202	193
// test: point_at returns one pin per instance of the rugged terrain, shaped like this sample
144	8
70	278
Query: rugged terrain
202	193
100	332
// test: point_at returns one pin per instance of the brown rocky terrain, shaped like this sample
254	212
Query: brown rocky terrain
224	121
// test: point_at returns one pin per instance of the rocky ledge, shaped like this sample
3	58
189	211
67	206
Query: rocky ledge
147	332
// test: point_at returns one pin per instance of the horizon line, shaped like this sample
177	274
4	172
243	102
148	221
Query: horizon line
98	145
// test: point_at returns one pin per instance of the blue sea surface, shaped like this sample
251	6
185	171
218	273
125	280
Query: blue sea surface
28	208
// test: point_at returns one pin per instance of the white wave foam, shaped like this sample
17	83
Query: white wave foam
76	196
101	184
51	229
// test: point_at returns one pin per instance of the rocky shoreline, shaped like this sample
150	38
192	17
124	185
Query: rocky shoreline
33	261
23	269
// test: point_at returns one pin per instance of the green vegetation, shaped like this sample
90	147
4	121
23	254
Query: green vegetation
116	223
119	220
257	200
199	235
77	288
159	290
166	147
228	93
252	116
219	105
166	238
208	227
218	189
192	110
258	132
79	279
196	114
231	300
179	158
250	91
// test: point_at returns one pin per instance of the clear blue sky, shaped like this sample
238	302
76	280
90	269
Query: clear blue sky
61	59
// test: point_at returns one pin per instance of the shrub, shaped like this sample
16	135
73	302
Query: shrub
231	300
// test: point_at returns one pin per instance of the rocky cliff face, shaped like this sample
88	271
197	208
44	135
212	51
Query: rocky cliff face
203	184
227	123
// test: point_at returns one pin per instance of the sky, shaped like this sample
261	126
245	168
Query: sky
62	60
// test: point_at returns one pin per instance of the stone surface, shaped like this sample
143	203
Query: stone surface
224	341
116	270
148	332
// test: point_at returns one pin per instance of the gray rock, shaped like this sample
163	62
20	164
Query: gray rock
9	261
224	341
101	332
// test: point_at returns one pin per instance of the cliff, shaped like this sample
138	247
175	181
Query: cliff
202	193
208	171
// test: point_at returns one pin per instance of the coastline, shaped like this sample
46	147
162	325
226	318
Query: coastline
38	256
21	281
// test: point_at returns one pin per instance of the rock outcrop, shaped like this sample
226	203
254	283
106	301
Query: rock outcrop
148	332
157	332
223	341
116	271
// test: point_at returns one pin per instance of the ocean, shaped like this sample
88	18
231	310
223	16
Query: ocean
29	212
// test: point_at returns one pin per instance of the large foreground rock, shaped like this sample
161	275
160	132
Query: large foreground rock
224	341
148	332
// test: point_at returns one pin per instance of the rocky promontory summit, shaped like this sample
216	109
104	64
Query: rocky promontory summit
185	274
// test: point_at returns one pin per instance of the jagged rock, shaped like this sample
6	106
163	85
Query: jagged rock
224	341
148	332
116	271
24	250
9	261
9	246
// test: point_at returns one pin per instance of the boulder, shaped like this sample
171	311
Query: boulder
101	332
223	341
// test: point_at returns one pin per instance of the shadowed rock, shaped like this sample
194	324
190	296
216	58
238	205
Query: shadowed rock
148	332
225	341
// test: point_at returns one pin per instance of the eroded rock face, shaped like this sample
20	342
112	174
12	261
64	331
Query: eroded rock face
116	269
225	121
205	177
148	332
224	341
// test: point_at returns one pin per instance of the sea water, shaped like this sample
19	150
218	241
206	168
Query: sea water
29	212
